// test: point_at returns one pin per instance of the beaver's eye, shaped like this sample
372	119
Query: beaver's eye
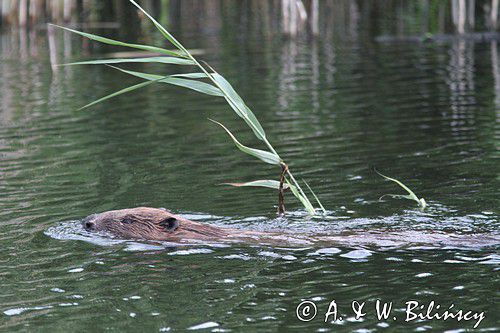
170	223
127	220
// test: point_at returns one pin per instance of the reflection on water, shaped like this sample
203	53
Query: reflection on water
426	113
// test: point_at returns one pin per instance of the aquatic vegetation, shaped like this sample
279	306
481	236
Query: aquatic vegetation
217	86
411	196
274	184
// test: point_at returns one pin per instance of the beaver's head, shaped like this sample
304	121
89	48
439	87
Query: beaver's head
149	223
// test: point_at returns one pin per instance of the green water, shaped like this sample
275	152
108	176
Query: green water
424	113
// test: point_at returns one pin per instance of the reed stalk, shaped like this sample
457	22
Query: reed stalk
217	85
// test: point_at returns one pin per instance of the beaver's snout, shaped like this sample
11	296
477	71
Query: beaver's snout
88	223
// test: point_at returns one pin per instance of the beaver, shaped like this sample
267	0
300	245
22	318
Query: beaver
158	224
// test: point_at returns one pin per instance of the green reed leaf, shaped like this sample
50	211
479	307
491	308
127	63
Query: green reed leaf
305	202
411	196
191	75
265	156
198	86
123	91
273	184
239	106
118	43
163	60
315	197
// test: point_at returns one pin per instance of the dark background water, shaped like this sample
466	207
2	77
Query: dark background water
425	113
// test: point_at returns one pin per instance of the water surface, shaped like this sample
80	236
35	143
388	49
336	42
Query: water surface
426	113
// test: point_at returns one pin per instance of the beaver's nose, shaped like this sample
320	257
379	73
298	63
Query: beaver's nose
89	225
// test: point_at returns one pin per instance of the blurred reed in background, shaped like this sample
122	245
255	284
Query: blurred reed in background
290	17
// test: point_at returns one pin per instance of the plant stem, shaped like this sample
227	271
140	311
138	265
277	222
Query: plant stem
296	183
281	196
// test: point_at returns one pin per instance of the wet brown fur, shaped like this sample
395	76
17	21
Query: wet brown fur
151	224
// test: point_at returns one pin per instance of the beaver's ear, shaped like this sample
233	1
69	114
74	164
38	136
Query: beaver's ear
170	224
